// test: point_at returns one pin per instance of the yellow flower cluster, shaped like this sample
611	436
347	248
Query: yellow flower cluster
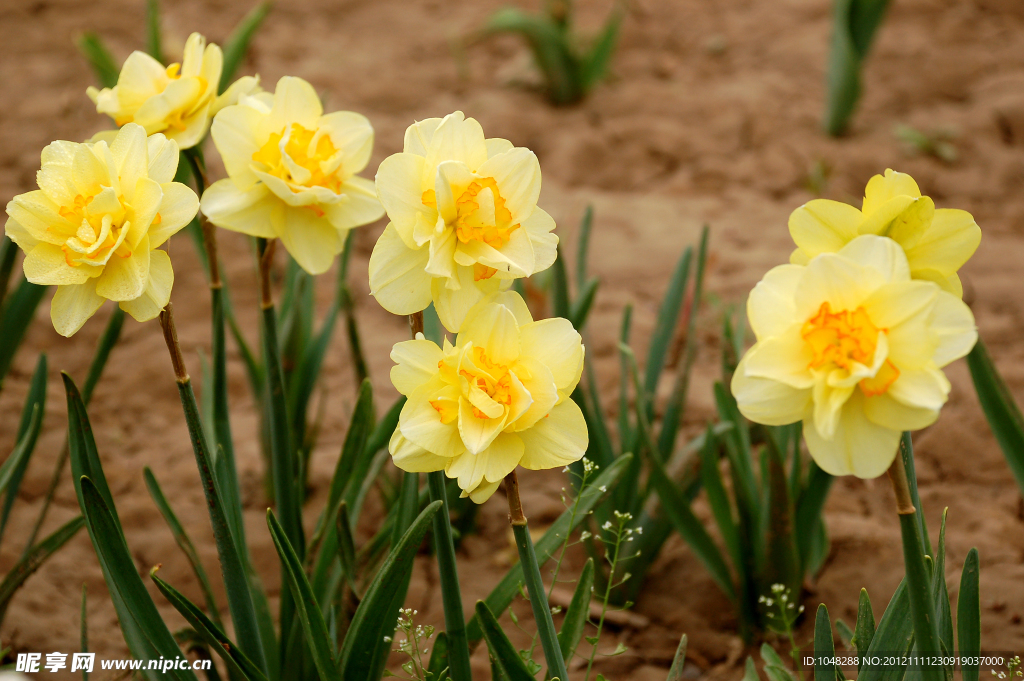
852	337
94	227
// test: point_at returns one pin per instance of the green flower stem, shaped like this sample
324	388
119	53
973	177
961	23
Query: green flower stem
922	608
534	584
236	583
454	618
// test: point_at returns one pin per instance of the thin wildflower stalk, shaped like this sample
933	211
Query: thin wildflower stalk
444	549
534	584
622	533
922	608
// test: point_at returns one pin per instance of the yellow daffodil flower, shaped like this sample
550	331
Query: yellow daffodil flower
464	220
854	348
937	241
497	399
94	227
292	173
178	100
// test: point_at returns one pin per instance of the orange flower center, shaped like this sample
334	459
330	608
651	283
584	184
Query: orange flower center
303	151
95	233
843	338
481	215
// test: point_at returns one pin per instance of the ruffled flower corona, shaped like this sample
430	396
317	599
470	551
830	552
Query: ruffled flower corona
464	220
497	399
95	225
937	242
292	173
178	100
854	348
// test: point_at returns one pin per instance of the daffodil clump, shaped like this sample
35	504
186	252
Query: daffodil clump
464	220
852	345
937	242
292	172
497	399
95	226
178	100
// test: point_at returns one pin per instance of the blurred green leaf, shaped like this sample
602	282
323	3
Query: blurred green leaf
17	313
560	287
595	65
550	50
307	609
665	328
824	647
99	58
1002	412
365	650
675	672
153	30
13	469
237	43
438	665
34	559
578	612
210	631
855	23
968	616
502	651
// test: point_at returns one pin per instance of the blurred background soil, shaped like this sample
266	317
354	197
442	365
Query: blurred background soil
711	116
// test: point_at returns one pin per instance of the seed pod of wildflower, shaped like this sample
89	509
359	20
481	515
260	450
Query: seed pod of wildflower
497	399
179	100
854	348
95	225
937	242
464	220
292	173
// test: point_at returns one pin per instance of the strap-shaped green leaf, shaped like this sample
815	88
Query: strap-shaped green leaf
665	326
183	541
18	311
307	610
894	634
583	247
595	64
503	652
34	559
824	647
447	568
594	493
237	43
99	58
153	42
22	450
968	617
365	650
124	580
1002	412
550	50
210	632
809	506
577	613
675	672
437	667
865	629
560	287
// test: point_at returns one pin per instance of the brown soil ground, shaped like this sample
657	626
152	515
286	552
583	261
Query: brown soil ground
712	116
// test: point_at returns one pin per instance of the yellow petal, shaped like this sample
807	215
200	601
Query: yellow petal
397	274
244	86
157	292
54	176
881	189
539	228
295	101
143	205
177	98
484	491
457	138
921	388
19	235
951	240
537	380
163	158
557	439
556	345
88	172
37	216
192	58
770	306
515	303
178	205
477	433
415	364
767	401
399	185
493	327
515	259
496	145
413	458
823	226
124	278
418	136
421	423
452	304
351	134
831	278
884	410
46	265
72	305
890	305
882	255
517	174
442	254
141	77
502	457
130	151
953	324
785	358
236	132
360	206
858	447
254	211
311	240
